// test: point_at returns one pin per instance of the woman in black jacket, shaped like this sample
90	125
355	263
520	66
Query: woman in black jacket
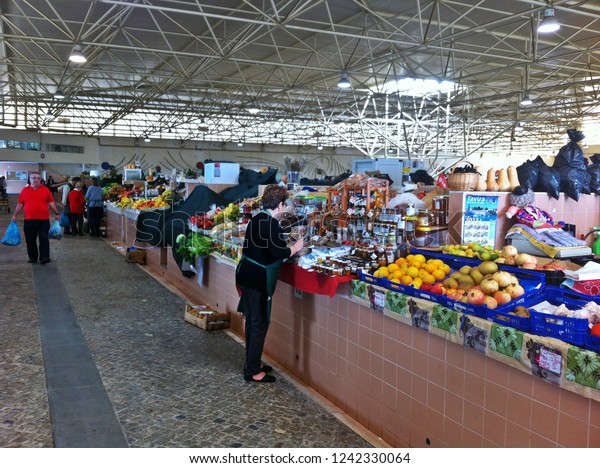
256	278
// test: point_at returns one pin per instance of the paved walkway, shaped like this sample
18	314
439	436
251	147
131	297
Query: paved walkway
95	353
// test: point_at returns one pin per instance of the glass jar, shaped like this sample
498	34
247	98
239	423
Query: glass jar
422	231
424	218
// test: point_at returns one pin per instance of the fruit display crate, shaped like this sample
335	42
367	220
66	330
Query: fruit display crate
592	342
569	329
510	320
533	283
551	277
204	317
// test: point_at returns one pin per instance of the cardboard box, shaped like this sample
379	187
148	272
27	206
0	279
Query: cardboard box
221	173
204	317
135	256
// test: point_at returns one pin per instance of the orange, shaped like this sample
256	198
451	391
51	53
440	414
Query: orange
412	271
420	258
445	268
409	258
392	267
397	274
438	274
406	279
428	279
400	261
417	283
416	264
430	267
437	262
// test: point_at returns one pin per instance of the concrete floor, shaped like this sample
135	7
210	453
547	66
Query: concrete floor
95	353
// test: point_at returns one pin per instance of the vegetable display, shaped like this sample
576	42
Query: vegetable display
193	245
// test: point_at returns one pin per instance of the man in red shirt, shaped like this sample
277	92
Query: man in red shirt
35	198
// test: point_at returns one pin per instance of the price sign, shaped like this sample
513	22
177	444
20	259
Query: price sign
377	299
550	360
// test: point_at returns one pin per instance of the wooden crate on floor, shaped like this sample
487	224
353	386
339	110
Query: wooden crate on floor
206	318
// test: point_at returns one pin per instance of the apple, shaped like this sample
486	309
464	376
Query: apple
489	286
502	297
490	302
475	296
510	261
517	291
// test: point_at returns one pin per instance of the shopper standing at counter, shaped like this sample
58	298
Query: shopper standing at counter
256	278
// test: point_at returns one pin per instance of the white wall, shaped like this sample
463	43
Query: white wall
166	153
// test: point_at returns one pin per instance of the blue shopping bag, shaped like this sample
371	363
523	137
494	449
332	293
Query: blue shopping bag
64	220
55	231
12	235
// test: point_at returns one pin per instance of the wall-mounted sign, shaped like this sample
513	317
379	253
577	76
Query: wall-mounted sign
16	175
479	221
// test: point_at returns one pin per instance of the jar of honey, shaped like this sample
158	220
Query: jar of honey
424	218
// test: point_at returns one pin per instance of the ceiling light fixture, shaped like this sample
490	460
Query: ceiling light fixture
253	110
549	22
344	82
526	101
49	114
147	139
518	127
59	94
76	55
240	143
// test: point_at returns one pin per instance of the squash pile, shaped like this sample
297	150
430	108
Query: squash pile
501	180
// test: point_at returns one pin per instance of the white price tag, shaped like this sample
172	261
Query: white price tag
550	361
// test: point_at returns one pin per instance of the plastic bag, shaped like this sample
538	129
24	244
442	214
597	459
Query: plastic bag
570	163
548	179
12	235
64	220
593	171
55	231
528	174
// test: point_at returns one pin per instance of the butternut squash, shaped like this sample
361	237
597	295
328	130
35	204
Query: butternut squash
503	183
481	185
513	177
491	184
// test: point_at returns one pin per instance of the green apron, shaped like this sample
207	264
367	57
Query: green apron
272	277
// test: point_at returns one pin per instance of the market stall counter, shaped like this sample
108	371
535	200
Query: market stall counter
312	282
405	383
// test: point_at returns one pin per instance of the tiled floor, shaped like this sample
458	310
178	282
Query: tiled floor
162	382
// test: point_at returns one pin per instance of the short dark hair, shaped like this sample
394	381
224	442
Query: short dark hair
273	195
94	180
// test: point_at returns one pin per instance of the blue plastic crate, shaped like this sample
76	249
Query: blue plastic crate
569	329
549	276
368	278
592	342
508	319
412	291
533	282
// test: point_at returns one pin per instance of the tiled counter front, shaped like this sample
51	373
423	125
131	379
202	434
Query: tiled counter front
406	385
115	222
